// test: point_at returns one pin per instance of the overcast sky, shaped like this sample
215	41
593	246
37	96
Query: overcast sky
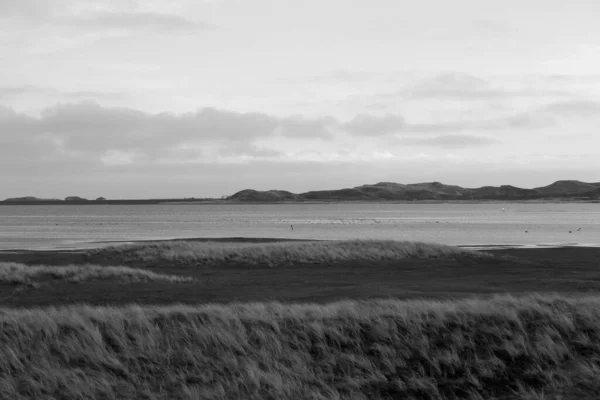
176	98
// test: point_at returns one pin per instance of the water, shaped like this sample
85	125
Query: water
52	227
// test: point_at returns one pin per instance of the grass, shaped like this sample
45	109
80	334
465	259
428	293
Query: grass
191	253
15	273
534	347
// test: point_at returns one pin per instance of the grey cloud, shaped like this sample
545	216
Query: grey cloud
26	8
7	92
339	76
84	15
231	149
539	118
299	127
375	126
11	91
440	127
532	120
488	26
22	142
135	20
13	124
90	94
90	128
581	108
451	141
543	117
468	87
571	78
367	125
246	149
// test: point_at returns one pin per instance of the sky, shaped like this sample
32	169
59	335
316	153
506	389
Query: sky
203	98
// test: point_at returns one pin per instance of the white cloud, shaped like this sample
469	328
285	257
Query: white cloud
118	157
465	87
451	141
133	21
373	125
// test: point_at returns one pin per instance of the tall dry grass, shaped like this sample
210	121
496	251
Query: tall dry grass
15	273
537	347
193	253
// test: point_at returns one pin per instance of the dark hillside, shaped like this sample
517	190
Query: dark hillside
386	191
568	187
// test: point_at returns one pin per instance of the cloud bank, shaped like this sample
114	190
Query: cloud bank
73	143
112	134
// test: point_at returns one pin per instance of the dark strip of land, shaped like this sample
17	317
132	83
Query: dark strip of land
565	270
105	202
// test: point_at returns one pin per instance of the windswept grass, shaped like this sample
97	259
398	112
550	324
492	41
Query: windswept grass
537	347
30	275
191	253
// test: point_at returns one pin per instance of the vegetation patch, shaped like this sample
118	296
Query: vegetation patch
536	347
21	274
191	253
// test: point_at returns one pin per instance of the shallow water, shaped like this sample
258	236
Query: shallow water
59	226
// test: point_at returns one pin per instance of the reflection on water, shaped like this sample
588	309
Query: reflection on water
37	227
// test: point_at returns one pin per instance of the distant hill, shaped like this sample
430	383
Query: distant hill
269	195
568	187
27	199
75	198
383	191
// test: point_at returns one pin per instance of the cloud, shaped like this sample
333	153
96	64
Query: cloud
91	94
300	127
247	150
26	8
124	152
468	87
112	136
537	118
13	124
375	126
451	141
9	92
88	126
135	21
338	76
492	27
13	91
576	108
368	125
120	136
118	157
570	78
98	15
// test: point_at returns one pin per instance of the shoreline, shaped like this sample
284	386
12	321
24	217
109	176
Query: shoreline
83	246
137	202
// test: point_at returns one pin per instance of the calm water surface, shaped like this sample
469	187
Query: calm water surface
43	227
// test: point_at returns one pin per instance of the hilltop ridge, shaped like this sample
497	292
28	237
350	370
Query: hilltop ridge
386	191
381	191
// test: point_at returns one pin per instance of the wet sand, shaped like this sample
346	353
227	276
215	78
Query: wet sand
570	270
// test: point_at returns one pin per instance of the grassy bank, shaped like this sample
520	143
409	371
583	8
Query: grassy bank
20	274
193	253
479	349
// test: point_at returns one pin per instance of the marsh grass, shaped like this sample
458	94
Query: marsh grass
193	253
534	347
15	273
